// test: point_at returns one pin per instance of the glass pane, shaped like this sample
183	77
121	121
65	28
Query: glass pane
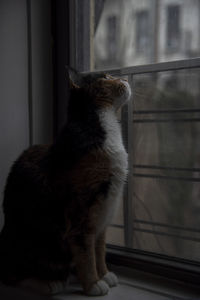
167	245
119	216
138	32
165	151
115	235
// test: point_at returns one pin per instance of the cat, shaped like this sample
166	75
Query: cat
60	198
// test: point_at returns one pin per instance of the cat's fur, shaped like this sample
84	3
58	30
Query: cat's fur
60	198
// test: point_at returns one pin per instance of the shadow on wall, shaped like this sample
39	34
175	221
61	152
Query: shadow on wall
17	93
14	135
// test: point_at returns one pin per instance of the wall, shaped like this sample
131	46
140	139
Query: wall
26	102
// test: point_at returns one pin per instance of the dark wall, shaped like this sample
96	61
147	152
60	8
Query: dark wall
26	98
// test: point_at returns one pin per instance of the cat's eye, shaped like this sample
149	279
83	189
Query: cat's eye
105	76
109	77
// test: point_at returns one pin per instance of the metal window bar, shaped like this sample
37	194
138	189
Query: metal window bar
151	68
144	175
130	72
30	71
127	117
156	232
157	224
162	233
165	120
141	112
166	168
117	226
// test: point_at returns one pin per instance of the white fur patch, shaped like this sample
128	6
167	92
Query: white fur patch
114	147
99	288
111	279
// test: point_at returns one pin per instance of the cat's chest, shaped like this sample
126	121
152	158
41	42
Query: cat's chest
113	144
114	148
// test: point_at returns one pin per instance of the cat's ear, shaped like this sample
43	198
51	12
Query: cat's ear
75	78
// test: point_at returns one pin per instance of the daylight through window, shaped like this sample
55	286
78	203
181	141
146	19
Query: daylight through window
156	45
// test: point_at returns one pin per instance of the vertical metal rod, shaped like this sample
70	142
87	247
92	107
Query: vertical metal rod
73	33
154	27
30	94
92	24
128	194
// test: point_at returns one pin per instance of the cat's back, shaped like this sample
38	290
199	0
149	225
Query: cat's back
27	177
30	162
32	156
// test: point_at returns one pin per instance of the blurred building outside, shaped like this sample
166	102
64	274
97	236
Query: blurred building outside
139	32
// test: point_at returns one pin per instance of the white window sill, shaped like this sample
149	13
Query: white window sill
140	286
132	285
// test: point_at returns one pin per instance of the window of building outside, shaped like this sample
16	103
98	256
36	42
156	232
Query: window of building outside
160	211
173	28
112	37
142	31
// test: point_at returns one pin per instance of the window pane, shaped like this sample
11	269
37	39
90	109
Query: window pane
142	31
115	236
166	163
164	151
173	28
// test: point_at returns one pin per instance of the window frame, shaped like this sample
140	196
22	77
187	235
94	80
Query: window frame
168	266
162	265
67	50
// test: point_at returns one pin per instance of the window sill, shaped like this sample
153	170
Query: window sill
186	272
138	285
133	284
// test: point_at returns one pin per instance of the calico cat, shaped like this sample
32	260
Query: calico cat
60	198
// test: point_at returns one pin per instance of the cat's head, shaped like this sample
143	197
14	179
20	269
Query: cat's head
105	90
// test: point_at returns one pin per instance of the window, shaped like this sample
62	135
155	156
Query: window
166	162
159	217
142	31
112	37
173	28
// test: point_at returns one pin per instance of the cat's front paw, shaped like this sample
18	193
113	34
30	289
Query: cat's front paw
99	288
111	279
